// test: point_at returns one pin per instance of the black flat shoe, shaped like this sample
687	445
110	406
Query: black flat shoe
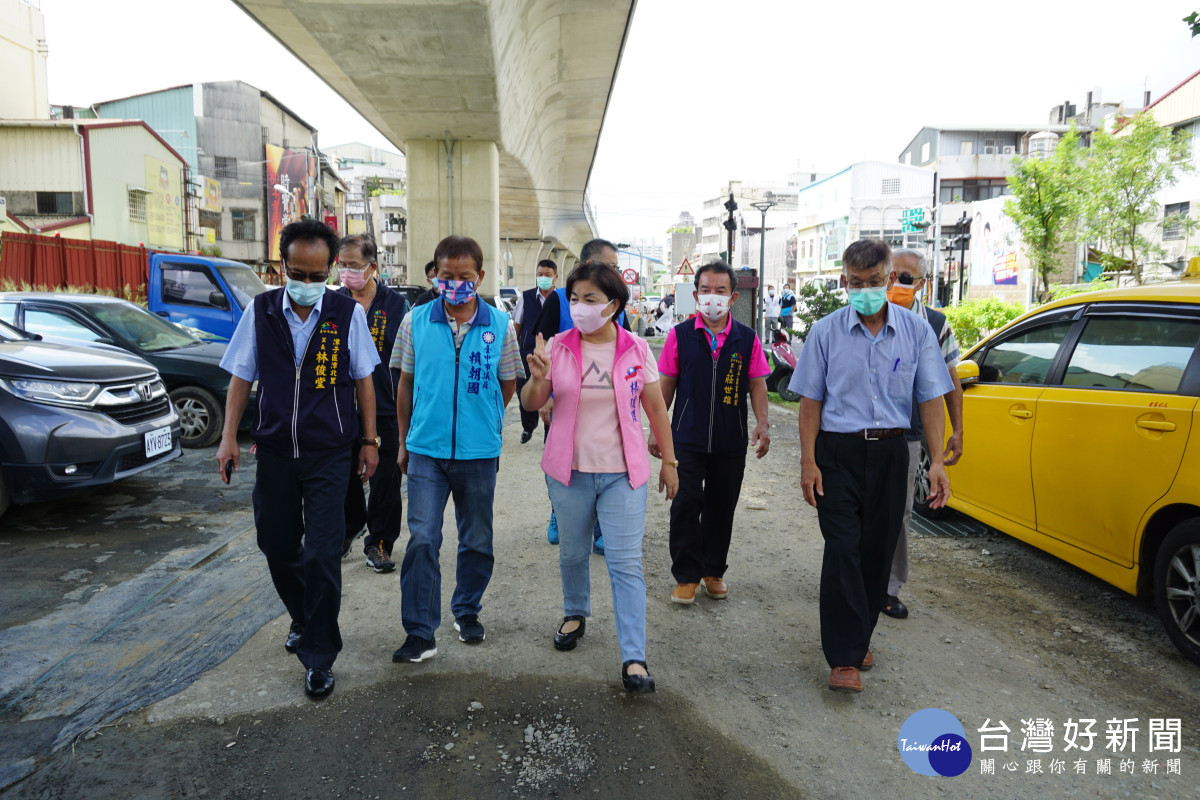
894	608
636	683
318	683
292	642
567	641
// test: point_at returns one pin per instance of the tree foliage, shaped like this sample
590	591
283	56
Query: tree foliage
1045	204
1125	171
1193	22
814	301
973	320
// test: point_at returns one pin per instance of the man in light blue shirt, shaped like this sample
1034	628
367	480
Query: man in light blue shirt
859	371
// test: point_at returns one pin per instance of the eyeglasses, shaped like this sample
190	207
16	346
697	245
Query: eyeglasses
305	277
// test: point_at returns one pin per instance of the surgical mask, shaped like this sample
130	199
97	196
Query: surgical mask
353	279
901	295
589	317
544	282
868	301
456	293
713	306
305	294
770	293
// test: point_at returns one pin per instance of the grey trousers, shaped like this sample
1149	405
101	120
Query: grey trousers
899	575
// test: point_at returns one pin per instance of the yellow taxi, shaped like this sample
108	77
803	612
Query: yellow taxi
1078	417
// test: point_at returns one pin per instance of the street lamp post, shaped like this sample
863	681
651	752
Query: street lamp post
762	206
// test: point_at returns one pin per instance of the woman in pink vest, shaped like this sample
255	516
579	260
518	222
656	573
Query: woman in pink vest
596	462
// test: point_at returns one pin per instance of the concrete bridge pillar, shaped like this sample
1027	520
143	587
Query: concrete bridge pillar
463	199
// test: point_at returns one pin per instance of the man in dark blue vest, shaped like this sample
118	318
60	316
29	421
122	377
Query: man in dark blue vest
312	356
525	317
385	308
458	362
712	367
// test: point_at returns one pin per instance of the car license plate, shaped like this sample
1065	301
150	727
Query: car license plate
158	442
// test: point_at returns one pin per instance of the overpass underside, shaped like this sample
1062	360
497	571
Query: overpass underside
497	104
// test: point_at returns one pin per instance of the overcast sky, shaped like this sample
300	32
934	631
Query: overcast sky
708	90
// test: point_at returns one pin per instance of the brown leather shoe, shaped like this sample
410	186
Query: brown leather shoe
715	587
845	679
684	593
867	662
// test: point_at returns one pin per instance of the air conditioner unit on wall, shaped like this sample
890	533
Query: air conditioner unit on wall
989	150
1009	150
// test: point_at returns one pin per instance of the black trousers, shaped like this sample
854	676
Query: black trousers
529	419
298	513
383	511
860	514
702	514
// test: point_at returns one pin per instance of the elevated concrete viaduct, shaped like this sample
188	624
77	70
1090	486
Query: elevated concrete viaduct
497	104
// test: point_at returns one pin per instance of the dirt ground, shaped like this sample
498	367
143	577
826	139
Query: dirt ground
998	632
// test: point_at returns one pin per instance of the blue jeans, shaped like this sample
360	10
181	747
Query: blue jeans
622	515
431	482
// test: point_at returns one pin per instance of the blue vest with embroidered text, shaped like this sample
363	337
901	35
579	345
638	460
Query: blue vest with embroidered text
458	408
712	396
304	411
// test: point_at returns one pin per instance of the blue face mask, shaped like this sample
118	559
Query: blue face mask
868	301
544	282
305	294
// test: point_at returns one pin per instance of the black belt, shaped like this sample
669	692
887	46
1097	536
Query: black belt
870	434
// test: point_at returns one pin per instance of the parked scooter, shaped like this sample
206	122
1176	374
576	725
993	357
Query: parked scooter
784	360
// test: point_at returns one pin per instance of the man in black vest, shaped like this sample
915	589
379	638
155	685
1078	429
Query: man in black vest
383	512
710	367
908	279
312	355
525	316
430	294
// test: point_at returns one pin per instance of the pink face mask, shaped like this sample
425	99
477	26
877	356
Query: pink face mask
353	279
589	318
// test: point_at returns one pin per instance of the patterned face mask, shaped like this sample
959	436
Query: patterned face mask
456	293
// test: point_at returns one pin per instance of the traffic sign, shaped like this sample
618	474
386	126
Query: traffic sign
630	276
685	268
913	220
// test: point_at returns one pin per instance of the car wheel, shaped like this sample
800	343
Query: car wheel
921	490
201	416
1177	587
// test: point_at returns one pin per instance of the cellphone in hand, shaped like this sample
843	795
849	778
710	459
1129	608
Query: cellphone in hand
228	470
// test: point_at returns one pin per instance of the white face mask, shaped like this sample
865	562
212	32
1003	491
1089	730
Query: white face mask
713	306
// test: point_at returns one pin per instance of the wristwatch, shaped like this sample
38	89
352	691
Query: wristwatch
372	442
674	464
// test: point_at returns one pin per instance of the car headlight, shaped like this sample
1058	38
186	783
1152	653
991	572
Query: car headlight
67	393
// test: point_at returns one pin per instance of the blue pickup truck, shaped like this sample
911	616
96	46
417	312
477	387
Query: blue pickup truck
201	292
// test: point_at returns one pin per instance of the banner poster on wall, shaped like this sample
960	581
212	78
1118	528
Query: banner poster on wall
994	244
290	177
164	205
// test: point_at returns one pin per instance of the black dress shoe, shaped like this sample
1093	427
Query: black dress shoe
318	683
526	436
636	683
567	641
894	608
292	642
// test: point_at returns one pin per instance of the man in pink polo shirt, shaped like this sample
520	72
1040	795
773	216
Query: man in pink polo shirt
717	367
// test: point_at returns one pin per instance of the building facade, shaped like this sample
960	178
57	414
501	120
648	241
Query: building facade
376	203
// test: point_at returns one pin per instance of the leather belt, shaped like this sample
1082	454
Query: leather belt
870	434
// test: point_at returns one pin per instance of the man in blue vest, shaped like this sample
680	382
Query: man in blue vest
525	317
712	368
383	512
312	356
458	362
908	279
